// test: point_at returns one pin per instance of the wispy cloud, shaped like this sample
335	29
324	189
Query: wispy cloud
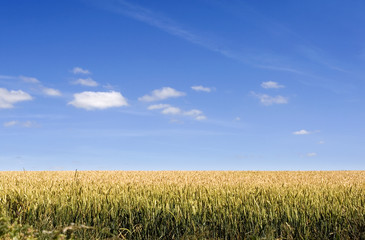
29	79
302	132
86	82
158	106
268	100
9	98
167	109
201	89
312	154
254	56
78	70
35	82
161	94
51	92
98	100
10	123
259	60
26	124
271	84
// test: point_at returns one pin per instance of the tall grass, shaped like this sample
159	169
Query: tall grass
185	205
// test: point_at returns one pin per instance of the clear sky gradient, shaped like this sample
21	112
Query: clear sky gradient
182	85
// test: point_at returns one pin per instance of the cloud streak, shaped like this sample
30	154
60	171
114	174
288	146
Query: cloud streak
86	82
167	109
271	84
201	89
168	25
268	100
78	70
161	94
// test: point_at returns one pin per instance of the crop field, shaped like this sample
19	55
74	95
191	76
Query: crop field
182	205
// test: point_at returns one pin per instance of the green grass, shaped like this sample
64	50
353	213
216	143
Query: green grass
182	205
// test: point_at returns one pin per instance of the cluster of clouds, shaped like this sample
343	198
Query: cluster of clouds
166	109
268	100
98	100
90	100
86	81
10	97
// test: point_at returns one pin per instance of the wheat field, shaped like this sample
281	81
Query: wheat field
182	205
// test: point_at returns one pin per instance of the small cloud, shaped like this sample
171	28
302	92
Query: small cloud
312	154
171	110
271	84
86	82
201	89
108	86
302	132
98	100
78	70
269	100
160	94
9	98
51	92
193	112
29	79
321	142
201	117
237	119
10	123
158	106
26	124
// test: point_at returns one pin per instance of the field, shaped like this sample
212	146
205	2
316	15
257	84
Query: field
182	205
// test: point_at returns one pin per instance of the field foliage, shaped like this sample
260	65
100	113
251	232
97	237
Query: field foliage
182	205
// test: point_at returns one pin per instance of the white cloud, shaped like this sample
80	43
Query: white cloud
26	124
78	70
301	132
237	119
201	89
193	112
271	84
29	79
170	110
321	142
86	82
10	123
201	117
9	98
158	106
51	92
98	100
312	154
269	100
160	94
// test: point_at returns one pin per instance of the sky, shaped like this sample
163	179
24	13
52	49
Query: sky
182	85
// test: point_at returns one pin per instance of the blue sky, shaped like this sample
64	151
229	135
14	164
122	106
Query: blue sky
182	85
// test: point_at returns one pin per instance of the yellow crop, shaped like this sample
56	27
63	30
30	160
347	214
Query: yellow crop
182	205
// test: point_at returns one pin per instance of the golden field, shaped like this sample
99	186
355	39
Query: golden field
182	205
